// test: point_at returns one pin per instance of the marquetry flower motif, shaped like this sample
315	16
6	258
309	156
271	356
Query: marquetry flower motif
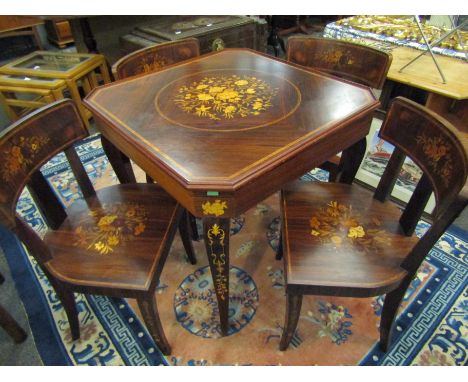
21	155
226	97
152	64
216	236
438	153
106	231
336	57
339	225
216	208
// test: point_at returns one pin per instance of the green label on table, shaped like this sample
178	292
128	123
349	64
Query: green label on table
212	193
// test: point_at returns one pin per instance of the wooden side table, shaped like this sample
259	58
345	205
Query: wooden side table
20	94
73	68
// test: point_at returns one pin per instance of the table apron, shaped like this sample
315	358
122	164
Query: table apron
252	192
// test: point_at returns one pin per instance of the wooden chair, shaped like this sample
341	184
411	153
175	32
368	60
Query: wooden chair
338	240
113	242
10	325
357	63
153	59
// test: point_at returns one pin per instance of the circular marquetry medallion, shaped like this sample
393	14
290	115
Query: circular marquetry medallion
196	306
227	100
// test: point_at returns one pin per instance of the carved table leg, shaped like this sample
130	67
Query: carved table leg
216	235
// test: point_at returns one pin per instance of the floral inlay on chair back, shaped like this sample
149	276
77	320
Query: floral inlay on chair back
29	143
338	225
152	63
20	155
357	63
104	229
431	142
154	58
438	154
225	97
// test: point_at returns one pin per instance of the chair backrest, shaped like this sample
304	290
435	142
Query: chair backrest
25	147
154	58
433	144
357	63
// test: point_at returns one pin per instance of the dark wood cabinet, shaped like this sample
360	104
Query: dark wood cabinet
59	32
213	32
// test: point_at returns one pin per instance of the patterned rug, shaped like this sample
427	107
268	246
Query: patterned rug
431	327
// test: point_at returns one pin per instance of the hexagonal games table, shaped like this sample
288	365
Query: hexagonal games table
223	131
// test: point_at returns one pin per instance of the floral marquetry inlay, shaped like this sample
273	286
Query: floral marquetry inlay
152	64
339	225
216	236
119	223
337	57
21	155
438	153
226	97
216	208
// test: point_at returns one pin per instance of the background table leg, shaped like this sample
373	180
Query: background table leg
216	235
351	159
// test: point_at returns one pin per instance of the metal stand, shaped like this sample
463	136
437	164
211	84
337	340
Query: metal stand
435	43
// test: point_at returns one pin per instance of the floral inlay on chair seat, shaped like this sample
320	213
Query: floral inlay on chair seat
340	225
114	224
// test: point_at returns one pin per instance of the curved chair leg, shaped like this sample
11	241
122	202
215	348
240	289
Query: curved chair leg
279	251
185	236
67	298
193	227
10	325
293	309
149	311
390	307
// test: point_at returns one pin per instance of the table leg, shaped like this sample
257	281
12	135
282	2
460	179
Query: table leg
86	83
119	162
216	235
351	159
10	112
105	72
93	81
58	94
75	96
88	36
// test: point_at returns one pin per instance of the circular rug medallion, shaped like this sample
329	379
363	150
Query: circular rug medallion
196	307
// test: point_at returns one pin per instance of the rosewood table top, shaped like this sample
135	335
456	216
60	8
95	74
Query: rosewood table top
223	131
219	122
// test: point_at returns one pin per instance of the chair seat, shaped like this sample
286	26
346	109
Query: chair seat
113	239
339	240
